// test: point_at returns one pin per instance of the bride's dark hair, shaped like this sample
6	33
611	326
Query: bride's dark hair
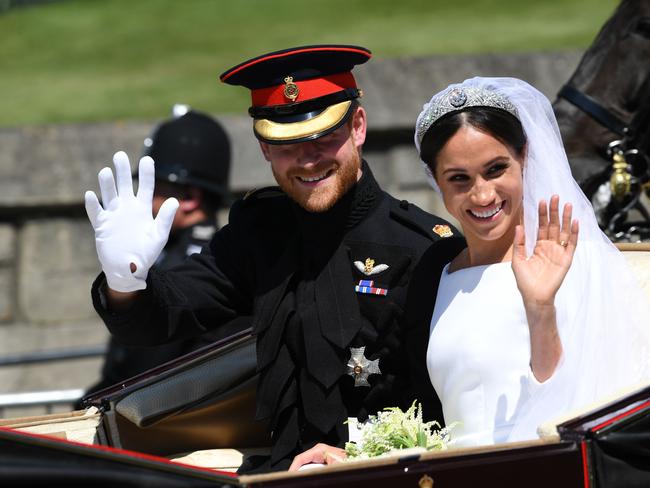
500	124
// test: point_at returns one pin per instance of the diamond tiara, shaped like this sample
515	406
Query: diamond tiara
457	99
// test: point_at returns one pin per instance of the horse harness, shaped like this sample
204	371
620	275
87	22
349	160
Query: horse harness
628	147
595	110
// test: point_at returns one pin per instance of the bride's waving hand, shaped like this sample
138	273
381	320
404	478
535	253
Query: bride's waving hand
540	275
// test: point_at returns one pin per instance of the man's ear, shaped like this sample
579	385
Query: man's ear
265	150
359	126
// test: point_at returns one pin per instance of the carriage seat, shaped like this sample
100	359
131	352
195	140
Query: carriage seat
638	257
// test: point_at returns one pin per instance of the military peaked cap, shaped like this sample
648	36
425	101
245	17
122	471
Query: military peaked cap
302	93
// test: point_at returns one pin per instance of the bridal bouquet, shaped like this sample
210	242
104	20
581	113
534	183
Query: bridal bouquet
392	429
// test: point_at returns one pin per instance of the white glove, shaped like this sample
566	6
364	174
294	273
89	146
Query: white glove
125	231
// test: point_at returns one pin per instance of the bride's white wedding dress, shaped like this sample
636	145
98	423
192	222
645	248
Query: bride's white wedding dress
479	353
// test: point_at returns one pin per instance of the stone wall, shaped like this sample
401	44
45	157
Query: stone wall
47	257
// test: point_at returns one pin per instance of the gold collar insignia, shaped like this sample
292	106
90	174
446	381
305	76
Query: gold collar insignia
443	230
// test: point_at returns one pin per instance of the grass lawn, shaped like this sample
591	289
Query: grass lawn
89	60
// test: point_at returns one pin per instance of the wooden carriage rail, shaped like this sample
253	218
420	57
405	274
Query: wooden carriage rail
440	466
633	246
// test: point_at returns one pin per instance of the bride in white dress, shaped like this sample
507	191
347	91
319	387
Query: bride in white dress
539	315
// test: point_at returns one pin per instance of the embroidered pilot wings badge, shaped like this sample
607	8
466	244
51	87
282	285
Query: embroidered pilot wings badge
369	268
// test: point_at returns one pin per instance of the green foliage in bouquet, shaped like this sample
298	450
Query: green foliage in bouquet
393	429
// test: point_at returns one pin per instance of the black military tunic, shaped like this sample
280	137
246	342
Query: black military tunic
318	285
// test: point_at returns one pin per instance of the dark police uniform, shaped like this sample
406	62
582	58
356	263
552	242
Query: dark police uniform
186	242
326	290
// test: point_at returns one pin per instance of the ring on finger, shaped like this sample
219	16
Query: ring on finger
564	243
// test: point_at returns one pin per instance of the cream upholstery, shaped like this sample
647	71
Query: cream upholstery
638	256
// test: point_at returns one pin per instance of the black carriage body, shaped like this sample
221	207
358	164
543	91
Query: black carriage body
606	447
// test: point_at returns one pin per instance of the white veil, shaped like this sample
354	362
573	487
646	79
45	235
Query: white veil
603	315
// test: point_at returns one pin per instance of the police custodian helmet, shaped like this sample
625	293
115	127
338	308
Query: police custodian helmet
302	93
192	149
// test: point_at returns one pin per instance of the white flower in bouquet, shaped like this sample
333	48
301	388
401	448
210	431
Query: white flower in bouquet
392	429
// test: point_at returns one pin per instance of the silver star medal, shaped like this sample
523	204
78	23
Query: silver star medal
359	367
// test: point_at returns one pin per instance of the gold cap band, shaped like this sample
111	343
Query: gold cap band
275	132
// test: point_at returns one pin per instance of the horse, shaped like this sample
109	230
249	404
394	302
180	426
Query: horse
603	114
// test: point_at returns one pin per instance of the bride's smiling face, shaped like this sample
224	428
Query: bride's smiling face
481	183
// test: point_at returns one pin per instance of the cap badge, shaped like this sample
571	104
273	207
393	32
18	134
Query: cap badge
291	90
368	268
443	230
359	367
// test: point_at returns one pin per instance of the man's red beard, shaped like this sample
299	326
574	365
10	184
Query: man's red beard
321	199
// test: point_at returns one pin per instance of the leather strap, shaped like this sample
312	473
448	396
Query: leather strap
594	109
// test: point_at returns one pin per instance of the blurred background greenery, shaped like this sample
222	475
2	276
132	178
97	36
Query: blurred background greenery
91	60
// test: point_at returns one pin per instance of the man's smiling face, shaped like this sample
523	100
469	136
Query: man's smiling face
316	174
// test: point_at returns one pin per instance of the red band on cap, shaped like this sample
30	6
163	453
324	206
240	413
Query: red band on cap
307	90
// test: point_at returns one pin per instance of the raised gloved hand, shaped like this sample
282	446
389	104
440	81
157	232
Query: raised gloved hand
127	237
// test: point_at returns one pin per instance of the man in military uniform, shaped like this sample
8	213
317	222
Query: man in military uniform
322	262
192	154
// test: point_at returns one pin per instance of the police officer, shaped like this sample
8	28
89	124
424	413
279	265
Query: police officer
192	154
322	261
